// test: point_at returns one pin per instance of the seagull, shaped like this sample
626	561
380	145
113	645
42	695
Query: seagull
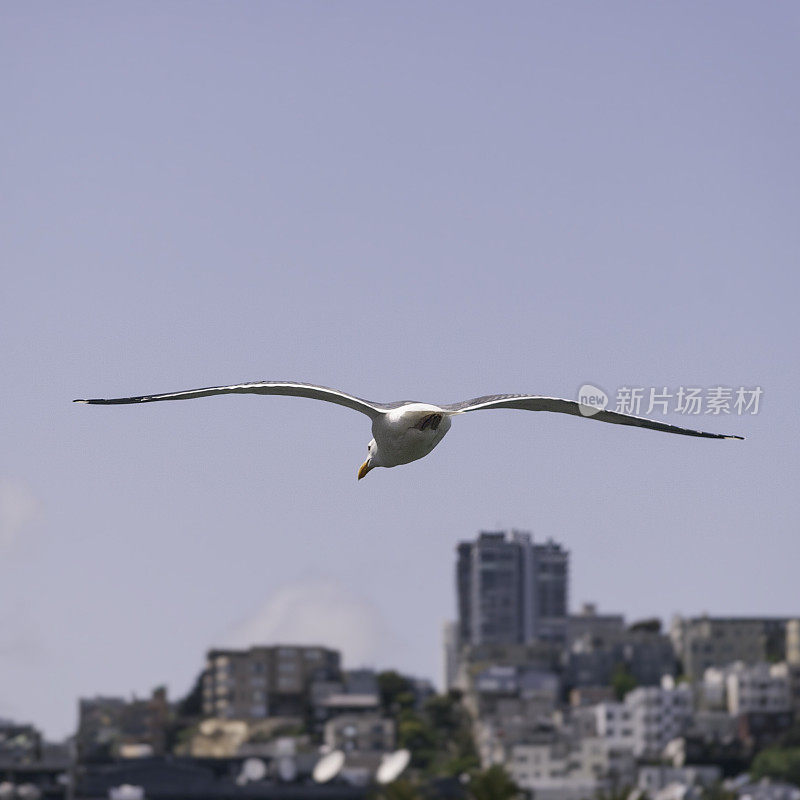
407	430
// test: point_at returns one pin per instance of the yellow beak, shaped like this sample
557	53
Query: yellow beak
364	469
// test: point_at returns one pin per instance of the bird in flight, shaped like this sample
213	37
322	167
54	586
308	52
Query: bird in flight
406	431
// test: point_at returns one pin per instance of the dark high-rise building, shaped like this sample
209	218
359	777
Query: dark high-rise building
510	590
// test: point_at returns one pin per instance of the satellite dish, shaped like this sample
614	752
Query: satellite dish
328	767
126	792
392	766
287	769
253	769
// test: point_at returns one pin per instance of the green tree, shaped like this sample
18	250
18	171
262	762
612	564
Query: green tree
444	713
419	737
439	735
717	792
398	790
790	738
452	726
392	685
405	700
782	763
466	762
622	681
492	784
652	625
192	704
621	793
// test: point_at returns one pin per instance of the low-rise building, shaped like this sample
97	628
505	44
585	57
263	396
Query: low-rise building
765	789
703	642
598	630
591	695
757	688
111	727
713	727
360	733
570	769
265	681
511	704
759	729
601	644
19	743
653	778
337	705
648	718
790	672
741	688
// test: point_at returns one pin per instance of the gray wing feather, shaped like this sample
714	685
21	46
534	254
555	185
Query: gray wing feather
528	402
290	388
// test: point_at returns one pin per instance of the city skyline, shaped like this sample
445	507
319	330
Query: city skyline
587	613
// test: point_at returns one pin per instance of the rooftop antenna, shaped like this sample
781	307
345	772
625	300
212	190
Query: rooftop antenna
392	766
328	767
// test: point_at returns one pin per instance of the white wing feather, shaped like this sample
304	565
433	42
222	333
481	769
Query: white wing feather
290	388
530	402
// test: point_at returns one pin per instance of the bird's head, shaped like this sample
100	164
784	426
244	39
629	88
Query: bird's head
372	460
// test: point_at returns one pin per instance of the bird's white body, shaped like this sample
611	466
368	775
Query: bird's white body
400	437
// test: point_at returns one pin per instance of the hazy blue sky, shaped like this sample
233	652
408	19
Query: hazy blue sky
412	200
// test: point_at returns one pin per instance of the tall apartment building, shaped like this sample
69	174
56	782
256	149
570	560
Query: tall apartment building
265	681
510	590
703	642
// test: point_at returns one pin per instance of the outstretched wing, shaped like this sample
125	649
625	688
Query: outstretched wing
290	388
529	402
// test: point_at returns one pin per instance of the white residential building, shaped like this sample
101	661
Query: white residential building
765	789
647	719
757	688
652	779
791	672
570	770
714	689
614	723
748	688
